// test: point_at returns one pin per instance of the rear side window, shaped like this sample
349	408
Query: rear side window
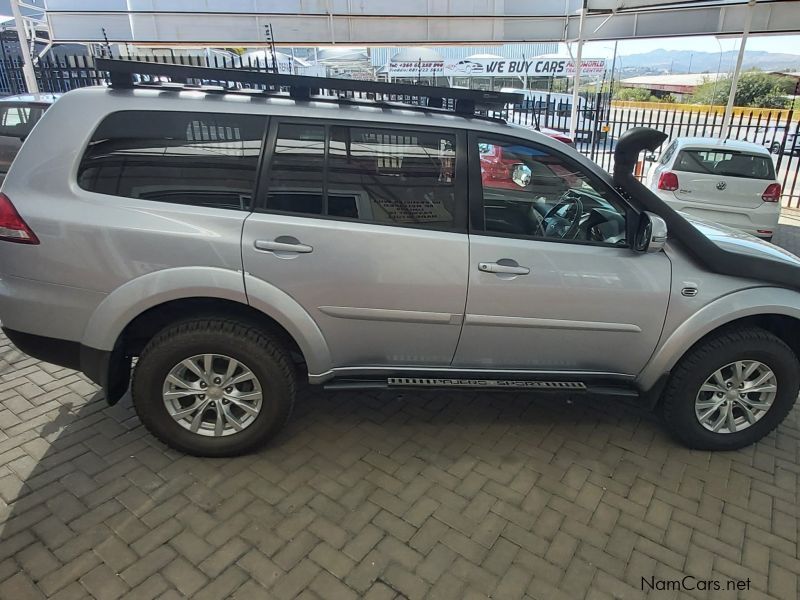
385	176
295	175
392	177
199	159
726	163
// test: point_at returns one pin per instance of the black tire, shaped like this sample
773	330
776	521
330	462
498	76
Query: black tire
775	148
751	343
261	352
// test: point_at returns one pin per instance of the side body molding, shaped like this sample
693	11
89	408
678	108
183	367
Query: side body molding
734	306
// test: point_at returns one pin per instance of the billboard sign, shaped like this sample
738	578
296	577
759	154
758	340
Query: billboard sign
496	67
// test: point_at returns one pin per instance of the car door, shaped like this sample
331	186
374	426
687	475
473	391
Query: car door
553	282
365	227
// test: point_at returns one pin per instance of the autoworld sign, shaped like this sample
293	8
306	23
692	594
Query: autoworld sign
496	67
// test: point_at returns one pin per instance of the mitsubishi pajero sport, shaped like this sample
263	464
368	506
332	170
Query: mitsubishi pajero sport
217	241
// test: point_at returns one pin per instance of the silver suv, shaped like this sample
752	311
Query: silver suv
226	240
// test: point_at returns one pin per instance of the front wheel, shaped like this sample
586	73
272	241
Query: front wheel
731	390
213	387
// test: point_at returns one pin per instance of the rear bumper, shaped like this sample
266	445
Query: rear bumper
64	353
108	369
760	222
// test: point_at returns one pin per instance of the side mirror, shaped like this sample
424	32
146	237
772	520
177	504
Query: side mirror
651	236
521	175
650	157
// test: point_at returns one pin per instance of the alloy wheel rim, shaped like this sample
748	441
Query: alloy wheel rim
736	396
212	395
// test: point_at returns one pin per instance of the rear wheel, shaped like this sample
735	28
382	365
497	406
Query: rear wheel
775	148
213	387
731	390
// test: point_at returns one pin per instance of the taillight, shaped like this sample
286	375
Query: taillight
668	181
12	227
772	193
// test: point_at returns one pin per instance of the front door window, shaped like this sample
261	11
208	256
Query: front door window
529	191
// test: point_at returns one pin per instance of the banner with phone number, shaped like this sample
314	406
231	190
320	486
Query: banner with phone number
496	67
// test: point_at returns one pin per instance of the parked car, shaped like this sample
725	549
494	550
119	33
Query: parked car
554	110
530	122
230	243
18	115
724	181
779	138
557	135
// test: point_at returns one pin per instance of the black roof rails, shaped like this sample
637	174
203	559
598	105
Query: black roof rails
466	102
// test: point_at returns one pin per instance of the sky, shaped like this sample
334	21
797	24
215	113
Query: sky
789	44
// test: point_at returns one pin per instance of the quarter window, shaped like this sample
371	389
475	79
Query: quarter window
199	159
17	121
529	191
668	153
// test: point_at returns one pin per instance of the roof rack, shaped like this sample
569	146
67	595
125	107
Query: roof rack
123	74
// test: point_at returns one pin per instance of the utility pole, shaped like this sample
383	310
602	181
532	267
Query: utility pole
27	64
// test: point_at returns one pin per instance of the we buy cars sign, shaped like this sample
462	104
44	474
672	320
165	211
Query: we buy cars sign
496	67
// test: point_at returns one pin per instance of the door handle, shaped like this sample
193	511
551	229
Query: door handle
505	269
276	246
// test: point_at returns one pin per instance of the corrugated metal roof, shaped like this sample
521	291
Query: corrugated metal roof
678	79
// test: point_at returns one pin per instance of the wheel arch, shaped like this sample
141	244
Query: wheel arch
775	309
129	316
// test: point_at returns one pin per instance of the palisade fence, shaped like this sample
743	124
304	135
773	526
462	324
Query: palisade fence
598	126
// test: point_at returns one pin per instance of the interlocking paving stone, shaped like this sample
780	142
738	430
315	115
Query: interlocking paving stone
383	495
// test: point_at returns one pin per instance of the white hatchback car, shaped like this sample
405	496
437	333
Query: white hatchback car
725	181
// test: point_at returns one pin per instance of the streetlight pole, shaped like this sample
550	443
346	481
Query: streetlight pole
748	21
716	79
573	117
27	64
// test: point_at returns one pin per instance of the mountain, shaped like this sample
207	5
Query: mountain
679	61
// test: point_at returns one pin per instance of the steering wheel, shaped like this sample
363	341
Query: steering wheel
562	221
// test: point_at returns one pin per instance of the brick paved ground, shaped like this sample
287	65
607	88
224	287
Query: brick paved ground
382	495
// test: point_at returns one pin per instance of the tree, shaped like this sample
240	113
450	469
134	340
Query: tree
756	89
633	94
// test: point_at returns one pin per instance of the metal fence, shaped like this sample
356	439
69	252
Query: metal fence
599	122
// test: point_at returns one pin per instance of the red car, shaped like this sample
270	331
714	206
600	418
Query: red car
557	135
497	168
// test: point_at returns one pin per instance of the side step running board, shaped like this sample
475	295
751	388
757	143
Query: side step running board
485	383
435	382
